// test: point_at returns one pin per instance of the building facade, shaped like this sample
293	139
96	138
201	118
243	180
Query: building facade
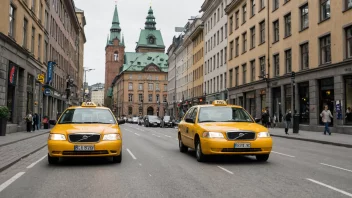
215	51
97	94
140	85
32	40
291	55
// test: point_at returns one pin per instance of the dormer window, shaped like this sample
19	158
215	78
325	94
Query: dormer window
151	40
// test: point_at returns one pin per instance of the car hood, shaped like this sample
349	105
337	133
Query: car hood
86	128
226	126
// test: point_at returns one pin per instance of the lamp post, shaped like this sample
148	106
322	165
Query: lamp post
85	81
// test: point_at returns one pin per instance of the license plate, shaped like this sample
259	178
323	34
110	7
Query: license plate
242	145
83	148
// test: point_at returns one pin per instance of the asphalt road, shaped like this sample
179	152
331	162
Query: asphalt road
152	166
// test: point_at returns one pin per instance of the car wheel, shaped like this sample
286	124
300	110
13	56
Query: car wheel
117	159
53	160
183	148
262	158
199	154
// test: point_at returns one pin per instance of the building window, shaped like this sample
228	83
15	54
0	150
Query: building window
288	25
150	87
225	51
253	37
164	98
231	24
12	21
252	70
237	15
231	77
325	49
275	4
244	13
276	30
304	56
253	7
262	4
348	4
116	56
33	5
157	88
32	40
222	33
140	86
129	110
218	38
46	52
231	49
41	12
304	17
130	76
221	81
165	87
140	97
349	42
39	47
276	65
244	69
130	97
150	97
324	9
157	98
221	57
244	38
288	61
217	60
236	76
262	32
237	43
139	77
130	86
225	30
262	66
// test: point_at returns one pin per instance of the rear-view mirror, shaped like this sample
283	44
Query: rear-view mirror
189	120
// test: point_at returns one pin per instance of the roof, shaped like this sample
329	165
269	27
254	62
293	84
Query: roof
139	61
144	39
115	29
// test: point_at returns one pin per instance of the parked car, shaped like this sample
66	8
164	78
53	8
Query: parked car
141	120
135	120
151	121
129	120
166	122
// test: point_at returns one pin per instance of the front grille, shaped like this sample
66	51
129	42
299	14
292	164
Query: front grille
241	135
85	152
241	150
84	137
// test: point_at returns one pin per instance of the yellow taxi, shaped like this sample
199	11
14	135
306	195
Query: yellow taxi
85	131
221	129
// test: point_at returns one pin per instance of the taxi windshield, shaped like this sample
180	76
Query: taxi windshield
223	114
87	116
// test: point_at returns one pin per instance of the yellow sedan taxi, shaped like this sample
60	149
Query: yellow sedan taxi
221	129
85	131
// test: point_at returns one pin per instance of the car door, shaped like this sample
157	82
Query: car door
192	129
184	128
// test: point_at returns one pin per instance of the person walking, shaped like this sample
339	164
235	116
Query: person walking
288	118
326	118
274	121
34	122
29	120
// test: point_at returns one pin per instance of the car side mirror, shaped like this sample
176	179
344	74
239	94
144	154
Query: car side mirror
189	120
121	122
257	120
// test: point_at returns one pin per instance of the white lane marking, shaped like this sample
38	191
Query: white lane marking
150	175
156	135
140	164
10	181
336	167
224	169
137	134
168	136
34	163
282	154
134	157
332	188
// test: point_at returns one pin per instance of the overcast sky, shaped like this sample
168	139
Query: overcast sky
132	15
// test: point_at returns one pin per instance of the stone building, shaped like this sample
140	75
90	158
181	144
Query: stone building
139	84
272	42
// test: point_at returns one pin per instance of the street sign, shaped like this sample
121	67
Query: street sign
41	78
47	92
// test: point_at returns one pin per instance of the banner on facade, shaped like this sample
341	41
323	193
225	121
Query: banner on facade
41	78
12	73
50	71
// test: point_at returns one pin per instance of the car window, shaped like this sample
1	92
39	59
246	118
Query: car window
87	115
189	113
223	114
194	114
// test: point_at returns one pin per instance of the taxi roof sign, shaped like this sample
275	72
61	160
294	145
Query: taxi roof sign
88	104
219	103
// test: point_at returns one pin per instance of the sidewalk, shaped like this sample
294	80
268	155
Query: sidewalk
15	146
318	137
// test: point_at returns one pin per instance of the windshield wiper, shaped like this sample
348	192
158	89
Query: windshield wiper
207	121
96	123
237	121
70	122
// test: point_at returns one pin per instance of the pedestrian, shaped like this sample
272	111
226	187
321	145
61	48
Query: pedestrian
29	120
35	120
265	118
288	118
326	118
274	121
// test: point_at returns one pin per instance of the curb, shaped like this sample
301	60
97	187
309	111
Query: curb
1	145
316	141
19	159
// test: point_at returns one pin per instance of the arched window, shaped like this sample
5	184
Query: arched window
116	56
151	40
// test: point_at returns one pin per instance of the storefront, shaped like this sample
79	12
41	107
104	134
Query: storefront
276	104
326	96
250	104
348	99
11	88
303	92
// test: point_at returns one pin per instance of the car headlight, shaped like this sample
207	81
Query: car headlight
59	137
263	134
213	135
110	137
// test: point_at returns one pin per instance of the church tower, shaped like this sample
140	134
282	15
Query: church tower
114	52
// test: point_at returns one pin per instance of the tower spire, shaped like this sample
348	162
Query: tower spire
150	23
115	27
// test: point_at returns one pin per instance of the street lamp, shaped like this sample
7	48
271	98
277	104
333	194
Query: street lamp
85	80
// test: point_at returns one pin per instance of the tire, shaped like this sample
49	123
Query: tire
262	158
182	147
53	160
199	154
117	159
